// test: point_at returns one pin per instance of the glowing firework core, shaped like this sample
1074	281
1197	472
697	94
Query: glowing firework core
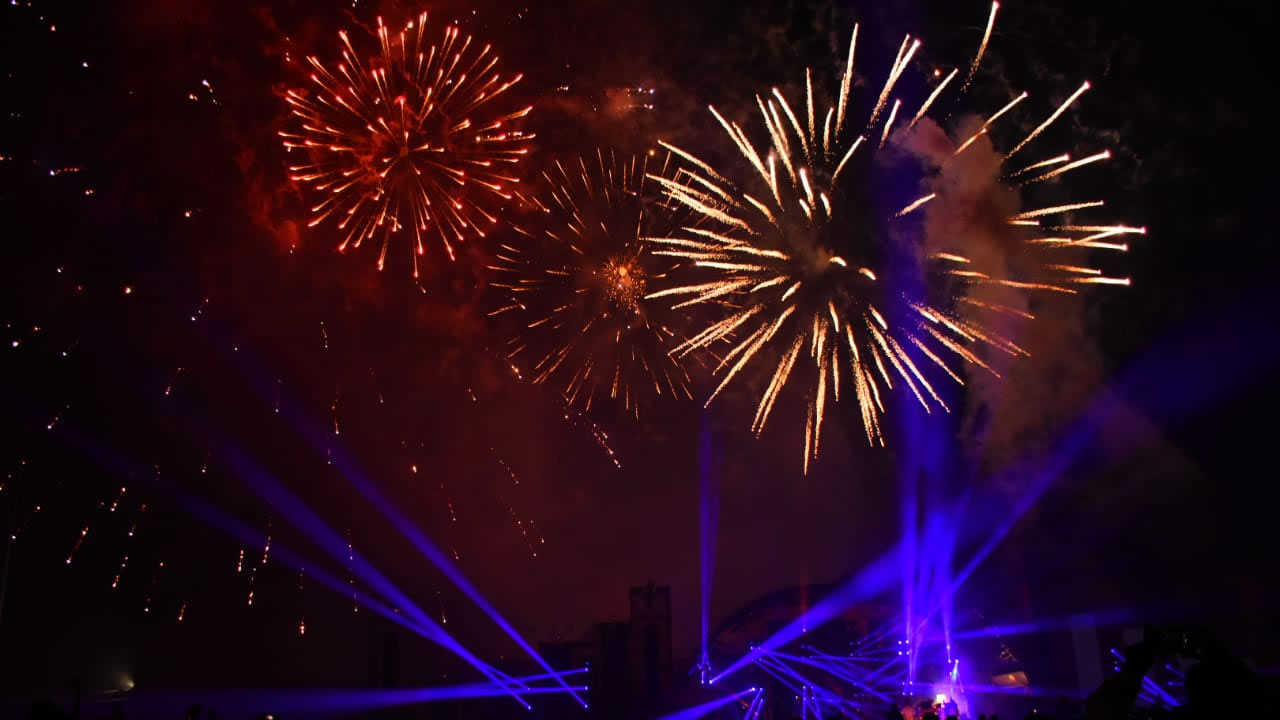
577	277
624	283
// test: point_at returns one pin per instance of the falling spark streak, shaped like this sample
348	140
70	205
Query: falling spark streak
904	57
79	541
969	142
924	108
1061	109
351	576
1005	109
50	425
116	582
420	137
151	587
997	307
1076	269
1104	155
754	258
884	136
1057	209
116	503
574	280
35	510
511	510
1102	281
1106	230
580	420
845	81
266	546
334	409
1064	157
915	205
302	620
982	48
168	389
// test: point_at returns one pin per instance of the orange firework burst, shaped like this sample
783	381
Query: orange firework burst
575	281
814	267
416	136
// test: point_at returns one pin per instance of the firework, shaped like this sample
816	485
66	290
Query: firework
419	136
824	277
576	282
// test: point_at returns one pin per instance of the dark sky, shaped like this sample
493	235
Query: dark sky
191	252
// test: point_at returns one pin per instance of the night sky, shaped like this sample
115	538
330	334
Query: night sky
187	316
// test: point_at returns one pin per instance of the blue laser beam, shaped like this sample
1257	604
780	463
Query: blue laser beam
433	553
870	581
705	708
303	518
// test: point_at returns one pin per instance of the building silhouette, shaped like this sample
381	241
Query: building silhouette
630	663
649	646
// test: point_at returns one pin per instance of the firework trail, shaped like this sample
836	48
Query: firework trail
818	278
574	281
419	136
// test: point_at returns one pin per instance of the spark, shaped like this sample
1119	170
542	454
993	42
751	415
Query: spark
965	145
266	547
884	136
302	620
195	316
1056	209
511	510
580	420
151	587
1056	113
50	425
351	577
914	205
924	107
133	527
574	283
982	47
424	138
35	510
119	572
1104	155
168	389
333	409
453	516
776	264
